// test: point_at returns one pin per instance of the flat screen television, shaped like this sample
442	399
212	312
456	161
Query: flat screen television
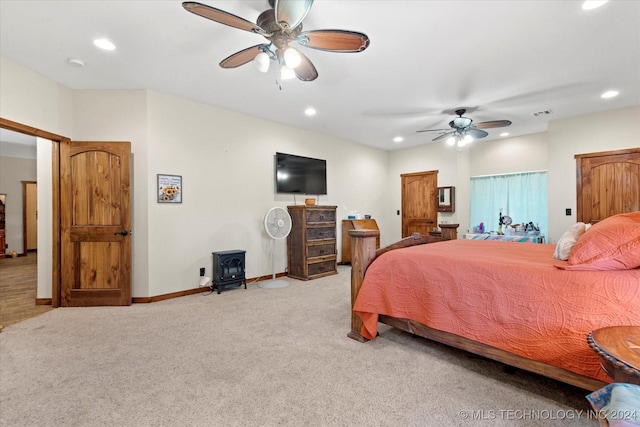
297	174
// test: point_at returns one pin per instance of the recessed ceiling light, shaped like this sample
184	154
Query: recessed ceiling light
398	139
104	44
592	4
504	134
76	62
609	94
310	111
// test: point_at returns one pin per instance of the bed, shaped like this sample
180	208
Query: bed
510	302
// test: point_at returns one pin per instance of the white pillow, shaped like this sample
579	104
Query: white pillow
568	239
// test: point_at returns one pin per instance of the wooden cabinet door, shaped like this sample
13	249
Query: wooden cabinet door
419	202
608	184
95	223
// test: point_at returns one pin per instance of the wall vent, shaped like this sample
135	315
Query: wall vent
542	113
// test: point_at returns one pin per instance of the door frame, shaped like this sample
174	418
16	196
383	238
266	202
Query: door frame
55	191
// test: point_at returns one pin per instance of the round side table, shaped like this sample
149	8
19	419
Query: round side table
619	350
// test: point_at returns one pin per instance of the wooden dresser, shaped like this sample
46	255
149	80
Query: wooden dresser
311	245
447	231
355	224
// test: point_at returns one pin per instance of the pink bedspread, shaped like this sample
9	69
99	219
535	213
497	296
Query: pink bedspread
507	295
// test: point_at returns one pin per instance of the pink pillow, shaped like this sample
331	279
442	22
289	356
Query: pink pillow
611	244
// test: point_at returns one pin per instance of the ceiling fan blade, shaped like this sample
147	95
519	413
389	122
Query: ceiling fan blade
477	133
334	40
221	16
242	57
434	130
492	124
290	13
443	136
305	71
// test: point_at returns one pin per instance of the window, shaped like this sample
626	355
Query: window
522	196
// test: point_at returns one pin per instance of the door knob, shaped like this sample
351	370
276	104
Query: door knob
122	233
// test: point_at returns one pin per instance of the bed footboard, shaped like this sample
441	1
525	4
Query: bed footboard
363	252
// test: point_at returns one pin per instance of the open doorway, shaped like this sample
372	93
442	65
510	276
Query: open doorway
19	265
44	276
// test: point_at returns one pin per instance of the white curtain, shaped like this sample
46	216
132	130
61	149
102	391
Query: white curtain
522	196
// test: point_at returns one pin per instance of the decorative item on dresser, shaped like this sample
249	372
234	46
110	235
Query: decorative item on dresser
522	238
355	224
311	245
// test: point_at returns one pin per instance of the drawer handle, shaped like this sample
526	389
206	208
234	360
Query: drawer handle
321	216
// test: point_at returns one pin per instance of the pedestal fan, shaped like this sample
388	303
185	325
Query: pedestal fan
277	223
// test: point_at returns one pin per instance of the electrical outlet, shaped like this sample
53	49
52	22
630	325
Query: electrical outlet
202	271
567	211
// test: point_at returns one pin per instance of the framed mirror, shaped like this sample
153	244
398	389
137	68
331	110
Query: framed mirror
446	199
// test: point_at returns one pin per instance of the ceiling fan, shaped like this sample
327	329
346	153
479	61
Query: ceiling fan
463	130
282	27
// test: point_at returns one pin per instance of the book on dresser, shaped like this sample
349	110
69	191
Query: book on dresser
311	245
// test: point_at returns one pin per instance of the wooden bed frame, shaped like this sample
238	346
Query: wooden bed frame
363	252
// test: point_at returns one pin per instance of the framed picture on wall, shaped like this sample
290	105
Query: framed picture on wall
169	188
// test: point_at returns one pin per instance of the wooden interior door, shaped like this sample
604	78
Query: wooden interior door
419	202
30	190
95	223
608	183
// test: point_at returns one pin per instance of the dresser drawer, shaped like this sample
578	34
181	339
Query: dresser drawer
321	233
321	250
325	215
325	267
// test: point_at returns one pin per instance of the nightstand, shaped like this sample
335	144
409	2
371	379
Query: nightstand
619	351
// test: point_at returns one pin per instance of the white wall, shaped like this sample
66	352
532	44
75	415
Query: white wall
30	98
226	161
611	130
518	154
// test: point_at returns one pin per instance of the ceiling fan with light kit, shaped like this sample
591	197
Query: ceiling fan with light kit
281	25
463	131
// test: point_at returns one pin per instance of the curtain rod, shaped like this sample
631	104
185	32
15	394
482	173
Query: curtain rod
511	173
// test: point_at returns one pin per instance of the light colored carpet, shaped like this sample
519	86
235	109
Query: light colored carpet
257	357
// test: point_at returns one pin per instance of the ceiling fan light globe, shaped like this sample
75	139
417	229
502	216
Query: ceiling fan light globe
292	58
462	122
261	62
468	139
287	73
451	141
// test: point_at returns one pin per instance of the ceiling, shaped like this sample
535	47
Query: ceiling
499	59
